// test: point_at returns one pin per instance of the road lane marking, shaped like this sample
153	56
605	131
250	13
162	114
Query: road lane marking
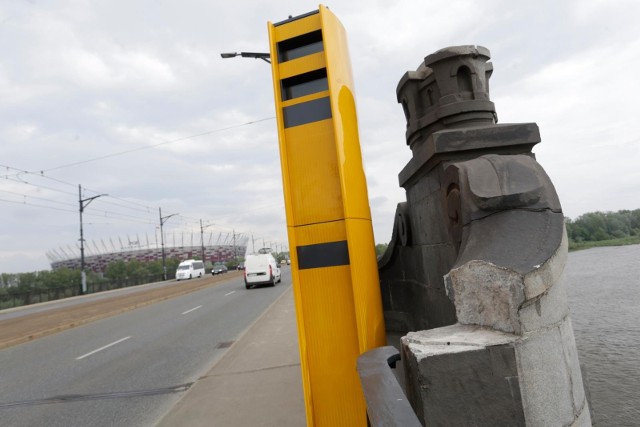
193	309
226	295
102	348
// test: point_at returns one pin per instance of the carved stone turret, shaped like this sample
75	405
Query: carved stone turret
472	276
449	90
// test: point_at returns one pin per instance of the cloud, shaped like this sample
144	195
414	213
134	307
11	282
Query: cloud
83	82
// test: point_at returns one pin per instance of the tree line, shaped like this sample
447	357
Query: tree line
115	272
599	226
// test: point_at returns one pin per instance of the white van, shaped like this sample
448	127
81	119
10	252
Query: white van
261	269
189	269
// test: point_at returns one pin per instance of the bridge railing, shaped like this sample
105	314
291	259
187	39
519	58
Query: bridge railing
387	405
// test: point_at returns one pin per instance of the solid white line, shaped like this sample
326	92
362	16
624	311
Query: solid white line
193	309
226	295
102	348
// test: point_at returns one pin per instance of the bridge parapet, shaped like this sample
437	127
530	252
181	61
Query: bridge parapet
472	277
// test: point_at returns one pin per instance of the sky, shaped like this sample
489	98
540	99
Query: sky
132	101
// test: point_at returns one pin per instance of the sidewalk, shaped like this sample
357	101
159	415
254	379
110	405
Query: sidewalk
256	383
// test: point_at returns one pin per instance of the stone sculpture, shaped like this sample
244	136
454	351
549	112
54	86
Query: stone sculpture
472	277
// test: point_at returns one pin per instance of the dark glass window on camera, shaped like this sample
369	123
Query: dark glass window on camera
300	46
305	84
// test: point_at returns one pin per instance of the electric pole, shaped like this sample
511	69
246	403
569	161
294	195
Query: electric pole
163	219
235	257
202	236
83	204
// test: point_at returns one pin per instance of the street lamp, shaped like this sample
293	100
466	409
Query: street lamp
257	55
163	219
202	236
83	204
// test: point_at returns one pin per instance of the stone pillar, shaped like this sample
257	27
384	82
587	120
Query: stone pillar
476	259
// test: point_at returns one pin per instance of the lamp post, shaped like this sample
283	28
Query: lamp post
163	219
83	204
202	236
256	55
235	256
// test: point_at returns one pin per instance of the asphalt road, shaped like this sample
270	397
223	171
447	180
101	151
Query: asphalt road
127	370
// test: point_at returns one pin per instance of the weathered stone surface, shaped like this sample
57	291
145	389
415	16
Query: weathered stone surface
499	378
573	366
546	275
427	219
433	97
467	143
517	239
486	295
545	310
545	379
584	419
498	297
461	373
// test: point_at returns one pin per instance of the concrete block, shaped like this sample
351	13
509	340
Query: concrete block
463	375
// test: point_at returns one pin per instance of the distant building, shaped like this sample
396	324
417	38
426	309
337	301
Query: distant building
97	259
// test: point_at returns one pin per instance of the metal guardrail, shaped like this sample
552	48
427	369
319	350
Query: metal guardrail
387	405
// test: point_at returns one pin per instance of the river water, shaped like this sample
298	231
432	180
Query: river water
603	288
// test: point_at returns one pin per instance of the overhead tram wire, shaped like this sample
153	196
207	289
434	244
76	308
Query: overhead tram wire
41	173
133	150
35	205
146	147
26	196
19	181
98	212
145	208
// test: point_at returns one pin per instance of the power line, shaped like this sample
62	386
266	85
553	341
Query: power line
147	209
107	156
19	181
139	207
33	204
99	212
25	196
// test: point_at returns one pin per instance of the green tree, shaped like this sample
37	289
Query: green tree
116	271
381	248
154	268
598	226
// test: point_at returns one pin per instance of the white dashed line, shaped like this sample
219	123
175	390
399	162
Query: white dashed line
193	309
102	348
226	295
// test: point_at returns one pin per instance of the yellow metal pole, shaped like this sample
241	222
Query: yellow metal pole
334	269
